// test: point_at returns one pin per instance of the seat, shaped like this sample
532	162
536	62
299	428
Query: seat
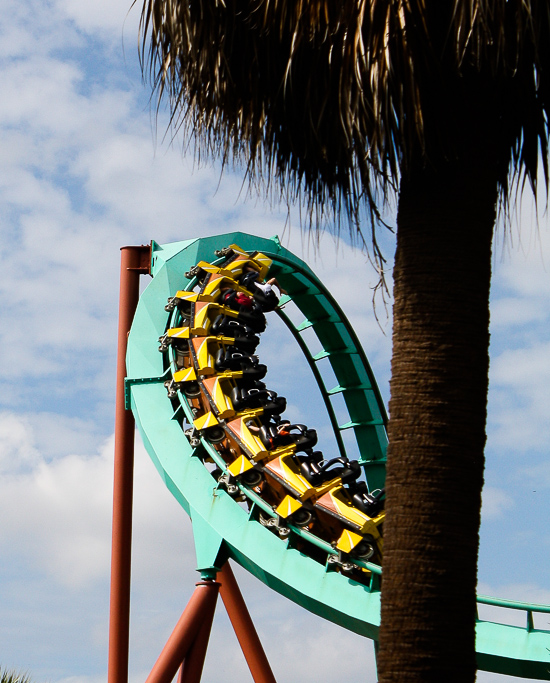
256	397
283	433
245	337
250	314
268	301
370	504
239	361
317	471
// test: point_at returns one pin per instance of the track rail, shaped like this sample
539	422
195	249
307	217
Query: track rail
226	529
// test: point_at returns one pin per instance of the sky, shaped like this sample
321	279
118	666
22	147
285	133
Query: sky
86	169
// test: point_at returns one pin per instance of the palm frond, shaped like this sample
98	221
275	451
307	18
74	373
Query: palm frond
332	101
8	676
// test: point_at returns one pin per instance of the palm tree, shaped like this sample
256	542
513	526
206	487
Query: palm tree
341	104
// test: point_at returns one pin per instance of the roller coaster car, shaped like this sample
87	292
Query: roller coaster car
202	352
216	391
209	427
370	503
203	313
229	327
285	470
191	390
217	283
185	379
244	398
229	359
244	440
249	311
201	317
243	471
175	336
215	354
248	451
237	259
181	357
267	300
203	270
241	340
352	545
183	300
317	471
248	279
282	434
337	503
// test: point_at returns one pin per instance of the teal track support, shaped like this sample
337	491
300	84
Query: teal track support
223	529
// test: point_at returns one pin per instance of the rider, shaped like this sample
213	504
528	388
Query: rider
263	291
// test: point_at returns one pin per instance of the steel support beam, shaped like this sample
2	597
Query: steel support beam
193	664
134	262
188	638
244	628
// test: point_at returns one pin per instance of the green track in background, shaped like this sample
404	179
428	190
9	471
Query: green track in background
222	528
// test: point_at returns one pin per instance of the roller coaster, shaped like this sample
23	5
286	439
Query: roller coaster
308	524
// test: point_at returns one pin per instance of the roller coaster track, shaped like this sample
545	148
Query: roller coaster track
242	518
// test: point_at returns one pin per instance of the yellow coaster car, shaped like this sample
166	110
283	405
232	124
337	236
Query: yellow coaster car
287	472
337	503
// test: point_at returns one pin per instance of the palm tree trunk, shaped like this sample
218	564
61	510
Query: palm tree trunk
437	421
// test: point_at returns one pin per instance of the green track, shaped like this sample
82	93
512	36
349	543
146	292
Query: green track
222	528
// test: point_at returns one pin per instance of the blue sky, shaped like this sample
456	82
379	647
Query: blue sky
85	170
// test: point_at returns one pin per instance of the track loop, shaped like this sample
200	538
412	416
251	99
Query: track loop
210	346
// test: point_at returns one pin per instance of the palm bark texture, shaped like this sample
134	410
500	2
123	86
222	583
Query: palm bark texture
341	105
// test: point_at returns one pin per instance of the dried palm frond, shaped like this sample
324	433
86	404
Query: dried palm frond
331	101
7	676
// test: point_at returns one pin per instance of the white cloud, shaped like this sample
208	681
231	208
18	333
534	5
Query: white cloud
104	18
17	451
59	509
32	29
514	312
327	652
37	81
518	417
523	367
523	267
520	342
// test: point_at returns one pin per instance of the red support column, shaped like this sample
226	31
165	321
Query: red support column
244	628
188	630
134	262
193	663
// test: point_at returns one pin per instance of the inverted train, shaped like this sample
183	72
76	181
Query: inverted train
214	333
